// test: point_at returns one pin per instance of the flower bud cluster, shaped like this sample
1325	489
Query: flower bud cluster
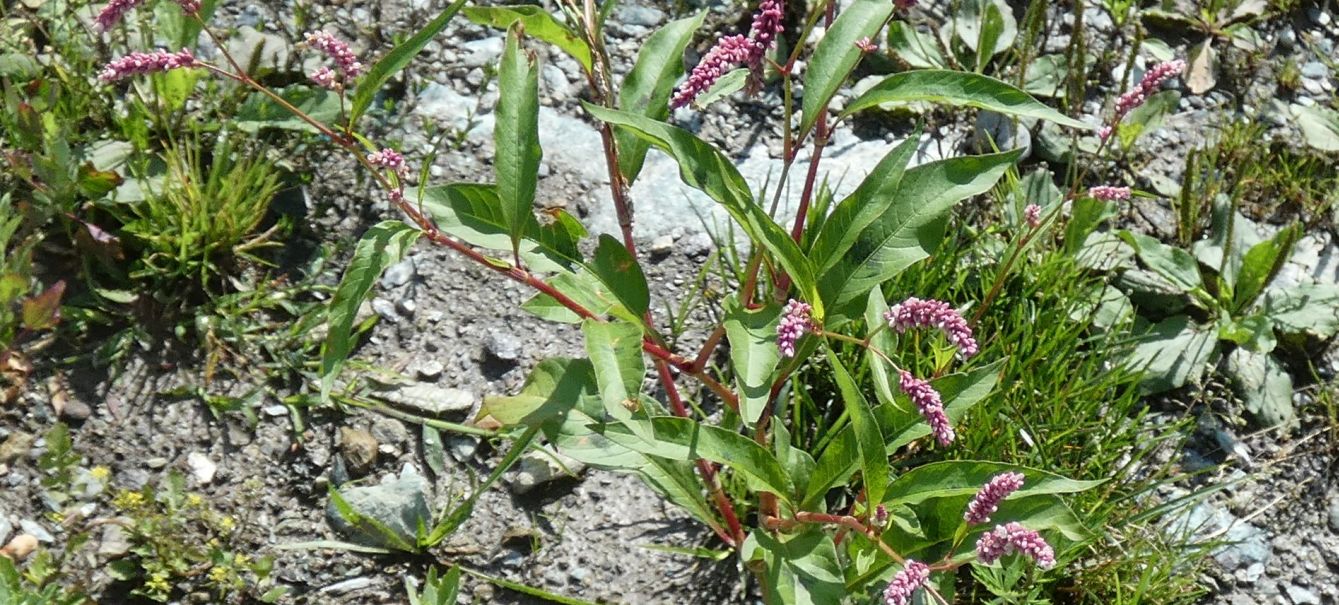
796	321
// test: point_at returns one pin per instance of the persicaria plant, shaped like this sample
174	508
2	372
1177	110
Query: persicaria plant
814	524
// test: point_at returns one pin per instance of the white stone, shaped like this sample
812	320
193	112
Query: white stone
202	468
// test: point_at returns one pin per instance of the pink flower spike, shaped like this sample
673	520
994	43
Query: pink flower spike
988	499
190	7
1032	215
1013	537
389	159
1153	79
325	78
1109	193
728	52
930	405
114	12
767	25
731	51
795	322
338	50
145	63
866	45
913	576
1105	132
916	313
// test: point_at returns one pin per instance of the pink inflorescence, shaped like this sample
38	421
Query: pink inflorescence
766	26
389	159
1109	193
1032	215
734	50
114	12
338	50
931	407
866	45
1153	79
796	320
1013	537
145	63
189	7
916	313
988	499
913	576
324	77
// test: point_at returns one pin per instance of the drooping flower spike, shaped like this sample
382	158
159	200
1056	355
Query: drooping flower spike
796	320
913	576
1013	537
916	313
988	498
927	400
731	51
135	64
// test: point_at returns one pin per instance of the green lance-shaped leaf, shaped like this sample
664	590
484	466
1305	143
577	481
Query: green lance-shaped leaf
615	349
910	227
516	137
552	389
382	246
962	479
685	439
868	438
900	424
473	212
538	24
753	355
622	274
837	54
647	87
961	89
862	207
704	168
396	60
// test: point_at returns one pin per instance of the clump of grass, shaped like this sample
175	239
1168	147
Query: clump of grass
204	218
1275	181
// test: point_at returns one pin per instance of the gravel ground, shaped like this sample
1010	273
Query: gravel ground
456	331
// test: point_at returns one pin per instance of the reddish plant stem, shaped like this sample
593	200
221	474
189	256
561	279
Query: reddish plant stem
618	189
735	537
750	282
686	366
806	197
708	347
845	521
